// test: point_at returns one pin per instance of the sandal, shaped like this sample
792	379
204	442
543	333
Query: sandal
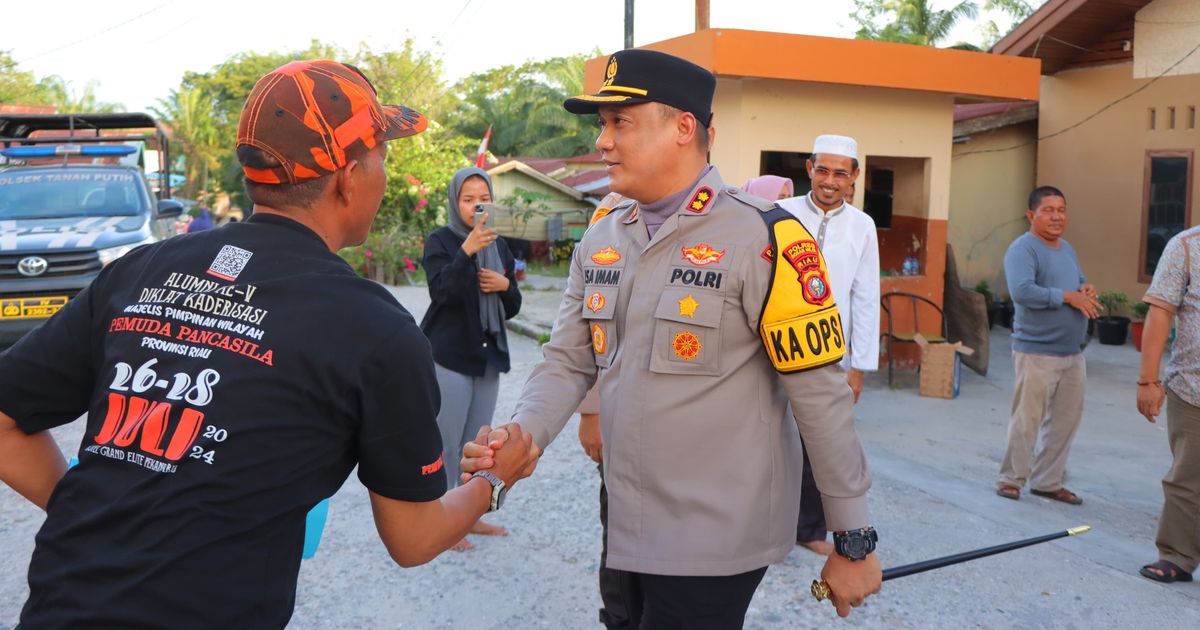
1167	572
1008	491
1062	494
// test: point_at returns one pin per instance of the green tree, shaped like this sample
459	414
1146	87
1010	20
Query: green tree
909	21
523	106
68	101
190	116
1014	10
21	87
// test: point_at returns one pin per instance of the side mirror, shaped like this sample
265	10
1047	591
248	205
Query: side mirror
168	208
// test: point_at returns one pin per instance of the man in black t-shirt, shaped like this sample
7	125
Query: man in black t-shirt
232	379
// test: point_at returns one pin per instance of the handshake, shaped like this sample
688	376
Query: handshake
507	452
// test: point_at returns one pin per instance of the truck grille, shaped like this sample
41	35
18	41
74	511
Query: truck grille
60	263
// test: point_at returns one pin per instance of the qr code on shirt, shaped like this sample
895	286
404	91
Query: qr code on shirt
230	262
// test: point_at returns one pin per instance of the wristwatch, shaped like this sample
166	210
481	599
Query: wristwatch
855	544
499	488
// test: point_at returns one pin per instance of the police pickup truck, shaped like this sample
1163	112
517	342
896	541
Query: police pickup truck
69	205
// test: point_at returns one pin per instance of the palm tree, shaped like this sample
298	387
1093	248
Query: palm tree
190	115
911	21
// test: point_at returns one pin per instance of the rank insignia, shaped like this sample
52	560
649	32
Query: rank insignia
599	339
768	254
606	256
595	302
610	72
633	216
806	259
702	254
688	306
700	200
686	346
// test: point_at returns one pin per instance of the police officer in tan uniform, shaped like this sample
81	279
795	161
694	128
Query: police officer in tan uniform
702	312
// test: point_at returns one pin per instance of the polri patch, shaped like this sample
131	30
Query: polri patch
599	339
805	258
606	256
595	302
702	254
686	345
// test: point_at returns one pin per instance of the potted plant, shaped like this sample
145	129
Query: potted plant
993	307
1139	313
1111	328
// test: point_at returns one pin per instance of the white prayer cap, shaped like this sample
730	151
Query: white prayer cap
836	145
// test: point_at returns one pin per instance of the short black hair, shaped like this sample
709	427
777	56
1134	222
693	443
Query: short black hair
853	161
701	128
1040	193
300	196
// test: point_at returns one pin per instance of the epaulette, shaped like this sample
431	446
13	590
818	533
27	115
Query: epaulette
602	212
757	203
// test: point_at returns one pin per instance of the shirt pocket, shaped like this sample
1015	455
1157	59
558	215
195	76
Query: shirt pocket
599	305
687	333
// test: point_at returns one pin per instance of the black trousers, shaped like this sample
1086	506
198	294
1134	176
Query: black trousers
641	601
810	525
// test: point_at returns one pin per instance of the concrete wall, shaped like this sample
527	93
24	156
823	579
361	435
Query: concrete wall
1164	32
756	115
990	179
1100	165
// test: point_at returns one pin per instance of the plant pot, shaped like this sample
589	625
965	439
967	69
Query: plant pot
1112	331
994	312
1135	329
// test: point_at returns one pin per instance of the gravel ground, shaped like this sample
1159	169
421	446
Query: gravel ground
934	461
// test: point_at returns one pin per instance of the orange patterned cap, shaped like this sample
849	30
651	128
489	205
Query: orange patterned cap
315	116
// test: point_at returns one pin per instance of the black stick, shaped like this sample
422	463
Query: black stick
820	589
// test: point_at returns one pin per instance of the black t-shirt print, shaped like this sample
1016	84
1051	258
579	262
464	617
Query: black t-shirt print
232	379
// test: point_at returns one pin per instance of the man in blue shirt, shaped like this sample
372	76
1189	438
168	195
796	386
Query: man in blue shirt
1049	329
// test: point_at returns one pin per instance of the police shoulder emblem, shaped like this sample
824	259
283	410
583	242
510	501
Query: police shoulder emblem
700	200
686	346
600	213
595	302
599	339
702	254
805	258
606	256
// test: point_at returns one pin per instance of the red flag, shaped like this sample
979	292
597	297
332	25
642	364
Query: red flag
481	157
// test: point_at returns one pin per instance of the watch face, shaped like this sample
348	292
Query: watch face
856	547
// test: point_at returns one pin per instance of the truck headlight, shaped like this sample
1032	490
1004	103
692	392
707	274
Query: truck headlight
110	254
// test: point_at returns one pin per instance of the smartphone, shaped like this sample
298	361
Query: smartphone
490	210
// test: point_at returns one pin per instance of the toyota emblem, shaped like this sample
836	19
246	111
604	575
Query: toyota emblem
31	266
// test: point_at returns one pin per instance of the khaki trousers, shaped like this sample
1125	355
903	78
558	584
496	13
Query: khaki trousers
1179	527
1049	394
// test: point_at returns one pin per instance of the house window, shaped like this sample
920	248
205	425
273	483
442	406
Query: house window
1170	118
1166	204
789	165
880	194
1192	117
1153	116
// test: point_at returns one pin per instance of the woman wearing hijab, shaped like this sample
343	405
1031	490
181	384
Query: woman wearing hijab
770	187
473	289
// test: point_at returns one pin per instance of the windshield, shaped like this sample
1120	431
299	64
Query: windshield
69	193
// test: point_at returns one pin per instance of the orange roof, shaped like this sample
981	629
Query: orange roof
971	76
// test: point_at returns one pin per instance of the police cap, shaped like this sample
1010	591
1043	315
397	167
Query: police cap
640	76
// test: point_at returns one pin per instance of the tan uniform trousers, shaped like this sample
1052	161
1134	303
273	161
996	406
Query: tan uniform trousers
1179	527
1049	395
